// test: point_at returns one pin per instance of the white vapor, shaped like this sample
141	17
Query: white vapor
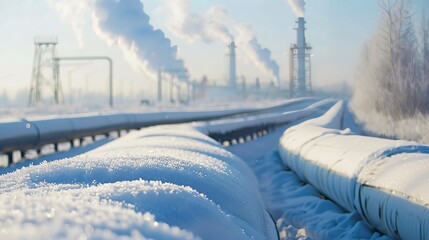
125	24
193	27
213	26
72	12
259	55
298	7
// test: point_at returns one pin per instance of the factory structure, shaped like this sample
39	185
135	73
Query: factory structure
300	79
46	72
45	77
300	63
232	66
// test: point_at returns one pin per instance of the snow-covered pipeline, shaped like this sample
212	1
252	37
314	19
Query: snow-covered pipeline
32	133
385	181
169	182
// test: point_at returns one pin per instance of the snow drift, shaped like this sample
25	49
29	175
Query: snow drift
162	183
385	181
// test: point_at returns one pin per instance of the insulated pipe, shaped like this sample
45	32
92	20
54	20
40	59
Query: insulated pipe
384	181
26	134
18	134
95	58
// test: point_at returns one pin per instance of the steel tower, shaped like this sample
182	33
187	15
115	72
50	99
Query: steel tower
300	64
45	76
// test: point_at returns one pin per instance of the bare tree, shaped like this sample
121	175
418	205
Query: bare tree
400	44
425	62
391	92
392	66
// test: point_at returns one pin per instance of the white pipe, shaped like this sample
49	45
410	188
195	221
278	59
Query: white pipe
385	181
95	58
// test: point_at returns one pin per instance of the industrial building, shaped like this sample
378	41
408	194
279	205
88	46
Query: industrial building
300	63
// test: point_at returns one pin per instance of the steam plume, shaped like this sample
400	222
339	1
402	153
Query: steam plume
211	26
259	55
298	7
125	24
72	12
193	27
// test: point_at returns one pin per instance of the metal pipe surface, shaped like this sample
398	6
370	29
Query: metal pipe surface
95	58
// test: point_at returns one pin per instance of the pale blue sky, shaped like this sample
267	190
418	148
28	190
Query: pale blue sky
337	30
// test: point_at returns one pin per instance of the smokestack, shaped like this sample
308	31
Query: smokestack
302	45
232	65
300	63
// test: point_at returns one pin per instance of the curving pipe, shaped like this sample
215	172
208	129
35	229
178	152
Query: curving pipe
385	181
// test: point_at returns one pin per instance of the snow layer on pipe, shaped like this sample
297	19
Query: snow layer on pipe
386	181
400	184
58	213
405	173
331	119
154	187
171	137
330	162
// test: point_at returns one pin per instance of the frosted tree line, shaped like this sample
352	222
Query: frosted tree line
391	94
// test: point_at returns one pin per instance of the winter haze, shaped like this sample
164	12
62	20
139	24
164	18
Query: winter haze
200	119
264	29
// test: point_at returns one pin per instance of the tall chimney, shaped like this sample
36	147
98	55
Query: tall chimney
232	65
302	45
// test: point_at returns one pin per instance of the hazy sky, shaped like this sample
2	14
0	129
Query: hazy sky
337	30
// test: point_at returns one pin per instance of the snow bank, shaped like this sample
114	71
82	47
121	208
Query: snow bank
385	181
162	183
